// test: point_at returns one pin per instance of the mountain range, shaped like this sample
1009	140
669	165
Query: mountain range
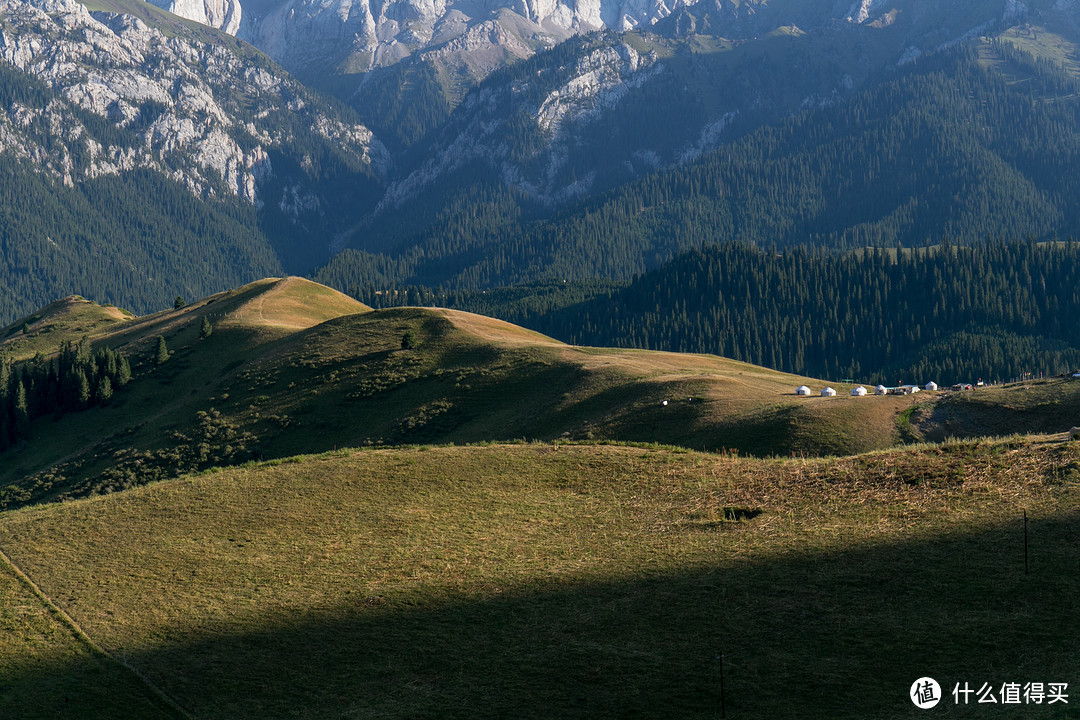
373	495
151	156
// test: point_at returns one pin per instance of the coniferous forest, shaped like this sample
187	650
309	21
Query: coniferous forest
933	149
76	378
948	313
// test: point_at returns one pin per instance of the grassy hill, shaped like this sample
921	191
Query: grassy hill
295	367
67	319
564	577
1039	406
541	581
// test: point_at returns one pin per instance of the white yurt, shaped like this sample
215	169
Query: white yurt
859	391
881	390
828	392
802	390
931	386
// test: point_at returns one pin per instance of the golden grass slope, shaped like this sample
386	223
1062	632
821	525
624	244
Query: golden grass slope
266	309
756	406
291	304
293	367
72	317
49	671
537	581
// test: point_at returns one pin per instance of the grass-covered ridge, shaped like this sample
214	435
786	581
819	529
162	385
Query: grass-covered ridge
570	581
293	367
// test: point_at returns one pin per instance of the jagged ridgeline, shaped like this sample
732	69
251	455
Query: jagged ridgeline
971	143
132	173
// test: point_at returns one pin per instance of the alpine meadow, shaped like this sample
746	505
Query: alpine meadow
603	359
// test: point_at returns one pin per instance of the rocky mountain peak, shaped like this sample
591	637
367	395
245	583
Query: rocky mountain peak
177	104
225	15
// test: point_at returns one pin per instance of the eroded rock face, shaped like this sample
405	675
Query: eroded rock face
370	33
192	110
224	15
595	83
318	36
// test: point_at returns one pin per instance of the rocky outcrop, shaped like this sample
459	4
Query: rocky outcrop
188	108
225	15
364	34
600	79
595	83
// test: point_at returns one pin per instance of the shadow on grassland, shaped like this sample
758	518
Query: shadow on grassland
835	635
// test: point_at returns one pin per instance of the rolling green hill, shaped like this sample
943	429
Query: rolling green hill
292	367
568	576
540	581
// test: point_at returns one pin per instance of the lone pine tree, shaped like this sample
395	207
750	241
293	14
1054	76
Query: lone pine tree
161	355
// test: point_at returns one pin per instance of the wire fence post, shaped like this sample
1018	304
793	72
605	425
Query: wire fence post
720	657
1025	542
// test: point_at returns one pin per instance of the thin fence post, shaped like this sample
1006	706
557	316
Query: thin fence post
722	710
1025	542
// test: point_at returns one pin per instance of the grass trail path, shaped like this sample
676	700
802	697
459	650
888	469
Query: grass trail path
86	640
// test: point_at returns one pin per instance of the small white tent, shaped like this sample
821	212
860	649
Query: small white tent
931	386
828	392
859	391
881	390
802	390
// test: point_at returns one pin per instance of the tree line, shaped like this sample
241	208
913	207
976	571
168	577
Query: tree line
948	312
77	378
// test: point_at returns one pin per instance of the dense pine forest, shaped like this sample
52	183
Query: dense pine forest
947	313
75	379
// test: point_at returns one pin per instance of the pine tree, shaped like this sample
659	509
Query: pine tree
82	385
179	303
123	372
205	329
161	355
22	413
104	391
